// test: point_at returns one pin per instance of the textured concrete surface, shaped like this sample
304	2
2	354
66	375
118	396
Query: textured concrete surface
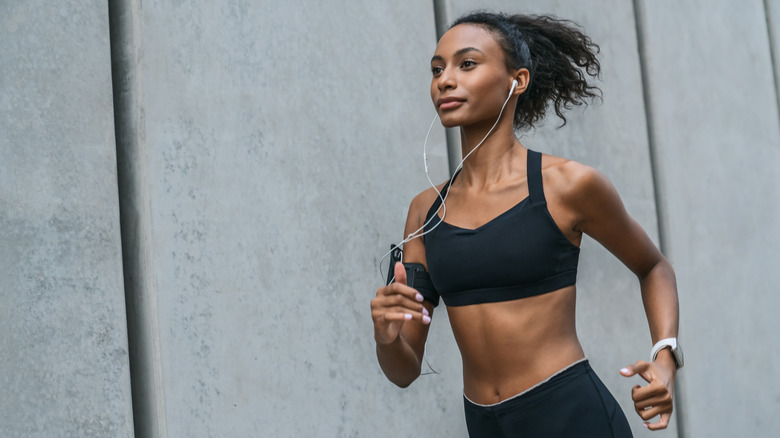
612	137
715	124
268	153
283	144
772	11
63	341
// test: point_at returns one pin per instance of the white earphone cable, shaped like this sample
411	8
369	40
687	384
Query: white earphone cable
442	206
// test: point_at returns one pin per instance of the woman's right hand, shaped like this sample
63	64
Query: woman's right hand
395	304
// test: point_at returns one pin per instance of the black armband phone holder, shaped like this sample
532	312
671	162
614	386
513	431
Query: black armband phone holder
416	276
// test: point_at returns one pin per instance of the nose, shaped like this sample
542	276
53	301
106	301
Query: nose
446	80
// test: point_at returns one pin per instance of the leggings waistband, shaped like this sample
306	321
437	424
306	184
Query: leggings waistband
556	374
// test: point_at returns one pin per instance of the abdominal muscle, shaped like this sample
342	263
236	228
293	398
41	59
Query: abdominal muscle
508	347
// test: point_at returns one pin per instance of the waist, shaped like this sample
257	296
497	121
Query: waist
560	377
510	346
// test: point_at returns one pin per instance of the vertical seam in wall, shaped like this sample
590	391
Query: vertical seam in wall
647	99
441	17
441	13
135	220
772	55
658	194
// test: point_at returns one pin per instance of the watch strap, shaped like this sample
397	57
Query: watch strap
673	346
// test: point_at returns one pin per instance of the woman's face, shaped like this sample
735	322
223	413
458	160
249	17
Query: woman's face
470	80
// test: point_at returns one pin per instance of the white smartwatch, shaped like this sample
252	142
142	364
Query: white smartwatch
673	345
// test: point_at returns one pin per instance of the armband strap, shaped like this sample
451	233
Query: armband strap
418	278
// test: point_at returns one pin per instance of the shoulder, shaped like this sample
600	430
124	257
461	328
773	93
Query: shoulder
573	181
583	193
414	250
418	210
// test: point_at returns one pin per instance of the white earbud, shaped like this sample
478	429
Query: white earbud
514	85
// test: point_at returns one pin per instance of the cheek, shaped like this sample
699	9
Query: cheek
493	92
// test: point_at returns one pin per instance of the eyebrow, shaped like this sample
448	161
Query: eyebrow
458	53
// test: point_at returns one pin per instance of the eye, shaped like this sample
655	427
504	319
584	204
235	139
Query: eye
467	63
436	70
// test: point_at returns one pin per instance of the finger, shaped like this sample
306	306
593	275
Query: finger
399	289
397	316
402	316
664	399
654	389
396	302
661	424
403	300
400	273
648	414
640	367
386	303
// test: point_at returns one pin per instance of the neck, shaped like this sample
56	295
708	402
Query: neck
494	158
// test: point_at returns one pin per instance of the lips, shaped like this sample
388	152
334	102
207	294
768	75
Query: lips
447	103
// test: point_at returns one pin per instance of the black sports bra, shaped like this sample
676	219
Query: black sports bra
518	254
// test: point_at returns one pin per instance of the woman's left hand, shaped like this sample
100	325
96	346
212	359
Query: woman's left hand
657	396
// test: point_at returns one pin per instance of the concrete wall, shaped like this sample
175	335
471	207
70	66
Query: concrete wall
282	145
63	338
715	129
266	153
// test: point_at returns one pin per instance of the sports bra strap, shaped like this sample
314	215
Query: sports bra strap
534	172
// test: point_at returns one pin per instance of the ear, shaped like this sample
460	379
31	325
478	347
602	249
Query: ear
523	78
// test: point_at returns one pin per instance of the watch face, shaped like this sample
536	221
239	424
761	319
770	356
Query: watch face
678	355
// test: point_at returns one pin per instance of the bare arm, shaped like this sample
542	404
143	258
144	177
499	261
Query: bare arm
401	317
601	215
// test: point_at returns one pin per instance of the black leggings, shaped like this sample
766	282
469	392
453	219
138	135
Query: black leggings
573	403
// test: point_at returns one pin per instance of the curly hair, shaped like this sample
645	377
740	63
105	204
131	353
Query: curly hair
556	53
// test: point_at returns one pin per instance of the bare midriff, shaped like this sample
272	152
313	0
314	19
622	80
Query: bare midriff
508	347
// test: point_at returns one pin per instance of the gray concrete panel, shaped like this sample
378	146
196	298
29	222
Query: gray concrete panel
772	11
63	348
283	145
612	137
715	125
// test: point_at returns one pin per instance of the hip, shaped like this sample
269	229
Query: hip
572	402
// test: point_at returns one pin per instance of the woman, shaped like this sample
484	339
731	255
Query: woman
502	250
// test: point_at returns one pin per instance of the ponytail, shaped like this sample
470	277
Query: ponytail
555	52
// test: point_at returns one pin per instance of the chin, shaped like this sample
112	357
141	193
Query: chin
450	122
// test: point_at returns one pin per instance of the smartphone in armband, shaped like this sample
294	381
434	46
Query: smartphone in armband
396	255
412	271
